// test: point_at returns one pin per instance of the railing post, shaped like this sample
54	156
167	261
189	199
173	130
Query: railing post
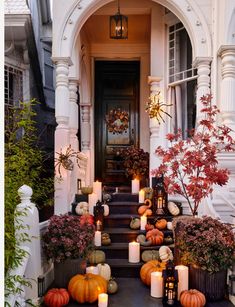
30	221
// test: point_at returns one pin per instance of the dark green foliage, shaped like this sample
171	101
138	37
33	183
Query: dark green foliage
23	165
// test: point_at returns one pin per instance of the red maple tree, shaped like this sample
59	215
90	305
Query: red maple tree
190	166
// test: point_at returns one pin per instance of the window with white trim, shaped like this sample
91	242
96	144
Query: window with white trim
13	87
182	78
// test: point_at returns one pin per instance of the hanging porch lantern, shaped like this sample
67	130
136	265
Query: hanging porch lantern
118	25
170	285
159	196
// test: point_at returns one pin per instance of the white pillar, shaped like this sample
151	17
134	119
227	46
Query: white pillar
73	129
62	137
203	81
154	127
86	136
227	106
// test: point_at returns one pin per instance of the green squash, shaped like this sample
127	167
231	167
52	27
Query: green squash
150	255
112	286
135	223
168	240
96	257
142	240
105	239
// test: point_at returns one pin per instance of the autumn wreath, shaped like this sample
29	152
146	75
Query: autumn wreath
117	121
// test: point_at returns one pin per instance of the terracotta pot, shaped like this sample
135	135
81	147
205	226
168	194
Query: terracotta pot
212	285
64	271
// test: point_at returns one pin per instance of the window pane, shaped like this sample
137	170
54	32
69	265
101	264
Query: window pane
48	76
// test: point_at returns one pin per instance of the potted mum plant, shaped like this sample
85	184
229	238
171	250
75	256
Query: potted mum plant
190	166
135	162
207	246
68	241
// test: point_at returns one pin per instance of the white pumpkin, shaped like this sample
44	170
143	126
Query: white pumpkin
169	226
165	253
106	210
104	270
82	208
173	208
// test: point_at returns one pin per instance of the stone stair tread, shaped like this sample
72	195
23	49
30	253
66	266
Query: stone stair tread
124	245
124	203
128	215
123	263
125	230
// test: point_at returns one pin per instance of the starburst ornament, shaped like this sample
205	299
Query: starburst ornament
155	107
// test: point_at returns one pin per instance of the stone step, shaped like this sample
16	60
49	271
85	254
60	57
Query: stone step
123	207
125	197
123	268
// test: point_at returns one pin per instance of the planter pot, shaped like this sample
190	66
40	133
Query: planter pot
212	285
64	271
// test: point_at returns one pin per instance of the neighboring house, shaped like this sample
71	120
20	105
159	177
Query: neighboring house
29	71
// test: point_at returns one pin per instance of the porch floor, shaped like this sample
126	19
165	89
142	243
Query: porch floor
133	293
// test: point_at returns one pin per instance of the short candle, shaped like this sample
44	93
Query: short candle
135	186
97	239
134	252
143	222
156	284
102	300
141	196
183	278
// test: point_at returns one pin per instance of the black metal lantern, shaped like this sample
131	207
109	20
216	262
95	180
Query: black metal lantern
170	285
118	25
232	284
159	196
99	215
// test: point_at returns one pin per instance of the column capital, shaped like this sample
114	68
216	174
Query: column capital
152	79
64	60
226	48
201	61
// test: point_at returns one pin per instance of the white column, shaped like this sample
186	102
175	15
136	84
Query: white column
86	135
154	127
203	81
73	129
62	139
227	106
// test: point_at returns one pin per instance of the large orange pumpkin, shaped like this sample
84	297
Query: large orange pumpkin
148	268
155	236
192	298
87	287
56	297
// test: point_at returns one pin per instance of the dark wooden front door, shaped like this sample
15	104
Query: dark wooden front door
116	117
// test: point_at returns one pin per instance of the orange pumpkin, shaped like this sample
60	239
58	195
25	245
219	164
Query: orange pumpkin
155	236
192	298
161	224
56	297
87	287
148	268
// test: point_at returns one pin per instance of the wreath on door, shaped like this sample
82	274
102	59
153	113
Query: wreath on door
117	121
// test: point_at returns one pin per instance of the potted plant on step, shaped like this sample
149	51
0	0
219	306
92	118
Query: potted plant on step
190	166
68	241
207	246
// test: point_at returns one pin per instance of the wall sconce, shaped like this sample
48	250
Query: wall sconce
170	285
159	196
155	106
118	25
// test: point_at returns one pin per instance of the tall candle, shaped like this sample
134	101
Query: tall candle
135	186
92	200
134	252
183	278
92	270
97	239
102	300
156	284
141	196
97	189
143	222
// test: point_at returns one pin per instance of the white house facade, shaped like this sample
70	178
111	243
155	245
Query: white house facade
184	48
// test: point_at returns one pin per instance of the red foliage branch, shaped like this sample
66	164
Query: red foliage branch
190	167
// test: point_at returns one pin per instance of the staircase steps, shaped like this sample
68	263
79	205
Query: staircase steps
122	208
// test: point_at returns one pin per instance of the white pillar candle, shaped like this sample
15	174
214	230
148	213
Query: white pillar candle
183	278
134	252
141	196
135	186
102	300
97	240
92	270
97	189
156	284
92	200
143	222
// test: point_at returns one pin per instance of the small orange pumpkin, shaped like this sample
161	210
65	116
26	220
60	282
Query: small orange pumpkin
148	268
56	297
192	298
161	224
155	236
87	287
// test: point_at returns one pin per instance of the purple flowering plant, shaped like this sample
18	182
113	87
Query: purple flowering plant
68	237
204	242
